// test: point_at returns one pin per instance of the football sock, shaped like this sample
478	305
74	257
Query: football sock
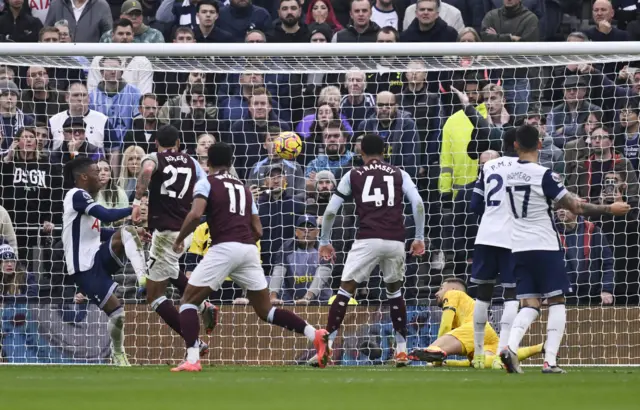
190	327
527	352
332	338
291	321
164	307
180	283
337	310
134	249
555	331
116	329
399	320
509	314
523	320
480	316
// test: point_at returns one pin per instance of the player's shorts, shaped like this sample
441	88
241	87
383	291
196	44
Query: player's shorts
97	283
489	262
464	334
239	261
366	254
540	274
163	262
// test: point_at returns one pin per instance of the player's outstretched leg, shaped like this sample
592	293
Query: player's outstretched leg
134	249
480	318
399	319
285	318
190	327
438	351
555	331
209	312
524	318
115	312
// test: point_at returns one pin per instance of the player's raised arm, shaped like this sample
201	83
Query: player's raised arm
148	167
410	191
199	205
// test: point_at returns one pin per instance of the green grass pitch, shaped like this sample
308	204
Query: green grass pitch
297	388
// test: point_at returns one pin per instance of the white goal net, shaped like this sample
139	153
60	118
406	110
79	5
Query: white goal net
586	106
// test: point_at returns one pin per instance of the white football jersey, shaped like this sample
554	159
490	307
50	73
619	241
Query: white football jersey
80	231
532	189
496	223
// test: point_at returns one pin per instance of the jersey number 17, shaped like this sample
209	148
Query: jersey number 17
512	191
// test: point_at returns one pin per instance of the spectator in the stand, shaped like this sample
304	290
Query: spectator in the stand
361	29
588	180
132	10
321	12
299	274
277	210
628	135
206	30
388	13
49	35
588	258
549	155
385	77
428	26
398	130
202	151
178	105
424	107
12	118
111	195
472	12
488	131
247	133
565	119
75	142
293	171
7	233
63	29
456	167
14	281
578	150
513	23
86	26
77	99
603	30
537	7
40	100
145	125
138	71
31	189
202	117
130	168
240	16
358	104
7	73
17	25
42	136
179	13
448	13
336	158
255	36
119	101
290	28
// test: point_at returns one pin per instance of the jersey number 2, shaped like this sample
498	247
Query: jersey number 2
378	196
232	188
525	201
166	186
494	190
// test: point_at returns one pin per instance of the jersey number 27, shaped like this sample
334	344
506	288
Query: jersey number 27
168	187
378	196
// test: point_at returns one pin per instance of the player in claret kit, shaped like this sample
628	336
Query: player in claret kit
234	226
456	332
170	177
92	253
492	250
377	189
537	249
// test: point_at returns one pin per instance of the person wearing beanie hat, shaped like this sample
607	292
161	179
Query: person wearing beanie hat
13	280
320	33
11	117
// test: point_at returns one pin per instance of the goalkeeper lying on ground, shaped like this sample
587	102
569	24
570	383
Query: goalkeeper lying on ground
455	336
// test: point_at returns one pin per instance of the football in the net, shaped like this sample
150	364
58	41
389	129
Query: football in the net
288	145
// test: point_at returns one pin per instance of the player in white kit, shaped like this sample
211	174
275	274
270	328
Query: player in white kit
492	251
537	250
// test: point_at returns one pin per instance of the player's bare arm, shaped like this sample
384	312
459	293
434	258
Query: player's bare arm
578	207
142	185
190	223
256	227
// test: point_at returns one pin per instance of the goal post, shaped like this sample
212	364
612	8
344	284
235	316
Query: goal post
330	95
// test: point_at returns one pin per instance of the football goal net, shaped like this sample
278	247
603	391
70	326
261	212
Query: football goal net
442	109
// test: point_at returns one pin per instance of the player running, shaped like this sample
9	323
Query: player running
456	332
492	251
377	189
234	228
170	177
537	250
93	254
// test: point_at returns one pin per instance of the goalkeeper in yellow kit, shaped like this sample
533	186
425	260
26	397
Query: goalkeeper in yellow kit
455	336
